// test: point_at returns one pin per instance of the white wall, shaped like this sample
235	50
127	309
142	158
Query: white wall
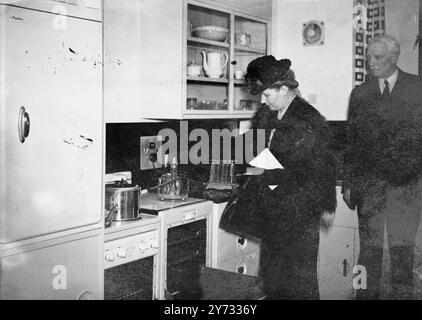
258	7
325	71
402	22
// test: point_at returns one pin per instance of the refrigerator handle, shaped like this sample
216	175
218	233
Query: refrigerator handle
24	124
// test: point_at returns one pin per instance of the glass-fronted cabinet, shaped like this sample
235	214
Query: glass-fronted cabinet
250	42
220	44
207	59
191	51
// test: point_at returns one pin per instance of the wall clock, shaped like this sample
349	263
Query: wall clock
313	33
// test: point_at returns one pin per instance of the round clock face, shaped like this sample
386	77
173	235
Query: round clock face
312	33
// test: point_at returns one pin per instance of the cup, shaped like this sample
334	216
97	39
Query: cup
243	39
244	104
191	103
238	74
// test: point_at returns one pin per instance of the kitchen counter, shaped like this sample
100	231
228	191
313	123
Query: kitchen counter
151	204
146	222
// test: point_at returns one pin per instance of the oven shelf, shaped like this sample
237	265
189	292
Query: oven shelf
187	237
195	231
179	255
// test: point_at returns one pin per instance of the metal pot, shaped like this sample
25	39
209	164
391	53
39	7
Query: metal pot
123	199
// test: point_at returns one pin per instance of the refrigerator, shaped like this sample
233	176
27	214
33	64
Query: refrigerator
51	147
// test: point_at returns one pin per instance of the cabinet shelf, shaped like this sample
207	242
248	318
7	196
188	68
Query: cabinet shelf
195	40
245	49
244	111
240	82
208	80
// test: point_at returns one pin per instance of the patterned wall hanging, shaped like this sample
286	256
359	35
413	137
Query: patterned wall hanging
368	22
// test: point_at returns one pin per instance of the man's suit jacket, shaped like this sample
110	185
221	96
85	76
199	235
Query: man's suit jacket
384	137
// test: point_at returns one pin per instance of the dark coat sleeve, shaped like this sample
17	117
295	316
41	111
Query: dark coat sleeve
351	155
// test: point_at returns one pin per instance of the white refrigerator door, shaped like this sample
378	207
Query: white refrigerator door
52	70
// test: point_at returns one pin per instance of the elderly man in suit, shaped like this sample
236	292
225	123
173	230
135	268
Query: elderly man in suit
383	167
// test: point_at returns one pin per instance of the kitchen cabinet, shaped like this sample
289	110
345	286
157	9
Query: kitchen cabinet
147	66
231	252
338	254
336	262
65	268
122	66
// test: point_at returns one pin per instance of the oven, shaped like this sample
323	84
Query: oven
131	258
186	251
185	244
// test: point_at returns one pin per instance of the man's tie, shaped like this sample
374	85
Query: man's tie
386	93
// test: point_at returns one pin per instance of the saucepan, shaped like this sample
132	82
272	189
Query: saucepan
122	201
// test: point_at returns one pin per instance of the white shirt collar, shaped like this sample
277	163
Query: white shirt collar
391	81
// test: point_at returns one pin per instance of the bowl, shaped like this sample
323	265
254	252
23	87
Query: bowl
215	33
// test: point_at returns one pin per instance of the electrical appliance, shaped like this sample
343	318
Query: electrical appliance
51	149
131	253
131	257
185	243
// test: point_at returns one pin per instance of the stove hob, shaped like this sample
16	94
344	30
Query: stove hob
147	222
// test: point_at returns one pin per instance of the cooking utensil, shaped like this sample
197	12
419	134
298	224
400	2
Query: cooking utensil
171	186
109	216
124	200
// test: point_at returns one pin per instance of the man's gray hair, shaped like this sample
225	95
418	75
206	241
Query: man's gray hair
392	44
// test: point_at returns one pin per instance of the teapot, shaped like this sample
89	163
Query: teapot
213	64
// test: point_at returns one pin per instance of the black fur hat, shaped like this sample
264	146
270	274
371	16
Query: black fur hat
265	71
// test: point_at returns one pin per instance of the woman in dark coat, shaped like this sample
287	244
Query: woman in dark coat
287	218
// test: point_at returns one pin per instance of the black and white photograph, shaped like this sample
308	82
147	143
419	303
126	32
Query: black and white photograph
229	151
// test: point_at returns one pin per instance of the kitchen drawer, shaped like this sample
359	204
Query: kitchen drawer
187	214
246	264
